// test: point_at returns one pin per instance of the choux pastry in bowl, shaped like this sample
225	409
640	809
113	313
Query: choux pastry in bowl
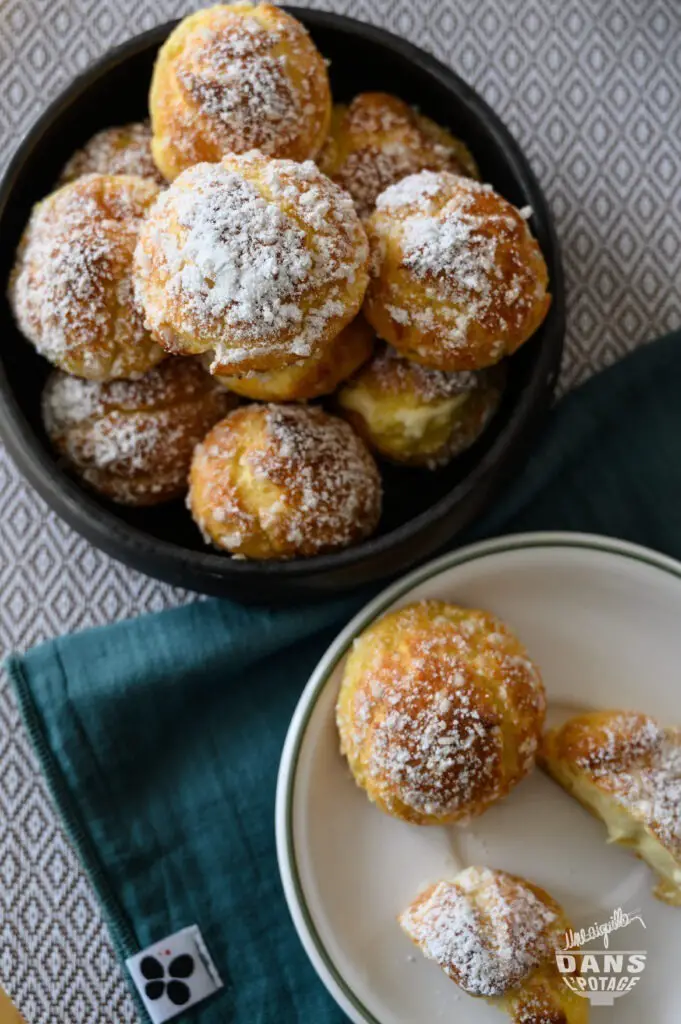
237	77
495	935
260	262
71	287
458	282
121	150
439	712
625	768
283	481
379	139
132	440
415	415
310	378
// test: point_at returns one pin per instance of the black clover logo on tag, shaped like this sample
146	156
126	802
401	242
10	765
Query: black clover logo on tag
174	974
166	981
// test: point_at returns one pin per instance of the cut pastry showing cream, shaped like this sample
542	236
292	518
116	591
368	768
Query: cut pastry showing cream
626	769
495	935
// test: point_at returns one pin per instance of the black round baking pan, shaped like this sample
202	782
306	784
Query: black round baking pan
422	510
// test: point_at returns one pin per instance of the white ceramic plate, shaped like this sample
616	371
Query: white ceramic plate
603	621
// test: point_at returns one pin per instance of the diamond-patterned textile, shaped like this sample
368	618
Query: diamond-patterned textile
593	94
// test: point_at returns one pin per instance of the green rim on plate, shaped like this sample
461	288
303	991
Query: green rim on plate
368	614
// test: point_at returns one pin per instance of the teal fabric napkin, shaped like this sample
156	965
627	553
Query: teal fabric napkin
160	737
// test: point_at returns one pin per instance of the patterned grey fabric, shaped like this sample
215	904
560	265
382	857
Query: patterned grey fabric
592	91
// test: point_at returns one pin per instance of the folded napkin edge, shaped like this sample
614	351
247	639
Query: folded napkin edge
121	932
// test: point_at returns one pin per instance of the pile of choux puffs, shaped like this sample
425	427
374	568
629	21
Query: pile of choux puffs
200	280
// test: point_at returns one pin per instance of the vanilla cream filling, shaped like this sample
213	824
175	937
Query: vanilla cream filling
626	829
409	422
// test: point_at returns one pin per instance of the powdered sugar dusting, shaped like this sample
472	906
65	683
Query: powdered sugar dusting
368	172
386	140
415	189
122	440
437	752
71	287
640	762
121	150
393	373
133	440
433	721
470	250
322	486
434	246
251	82
487	930
249	266
242	85
242	258
324	465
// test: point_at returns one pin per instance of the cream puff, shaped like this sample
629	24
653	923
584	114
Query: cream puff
121	150
415	415
439	712
132	440
283	481
625	768
71	287
496	935
237	77
457	280
259	262
310	378
378	139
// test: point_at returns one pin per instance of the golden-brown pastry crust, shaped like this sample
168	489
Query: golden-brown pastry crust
262	262
132	440
319	375
237	77
379	139
625	768
415	415
439	712
121	150
283	481
457	281
71	286
495	935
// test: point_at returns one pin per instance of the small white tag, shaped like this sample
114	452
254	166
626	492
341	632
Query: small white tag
174	974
